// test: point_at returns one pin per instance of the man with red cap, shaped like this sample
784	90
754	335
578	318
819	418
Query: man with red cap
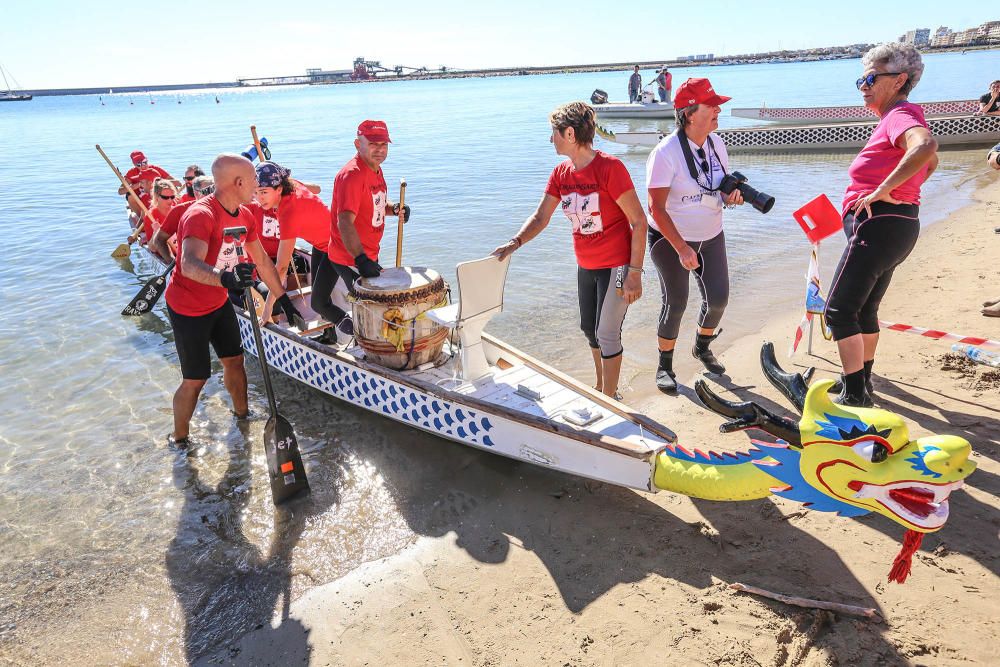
360	204
141	177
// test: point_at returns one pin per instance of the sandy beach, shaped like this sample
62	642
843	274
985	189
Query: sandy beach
589	574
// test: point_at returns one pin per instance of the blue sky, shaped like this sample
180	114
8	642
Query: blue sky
56	43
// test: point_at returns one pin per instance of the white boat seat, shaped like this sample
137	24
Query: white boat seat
480	287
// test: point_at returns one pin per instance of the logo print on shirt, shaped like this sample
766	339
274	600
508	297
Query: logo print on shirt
584	211
227	256
270	227
378	208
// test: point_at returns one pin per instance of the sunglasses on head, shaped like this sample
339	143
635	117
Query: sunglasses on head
869	80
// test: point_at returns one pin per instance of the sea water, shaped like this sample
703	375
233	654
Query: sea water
106	532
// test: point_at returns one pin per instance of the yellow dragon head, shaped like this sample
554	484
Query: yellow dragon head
850	460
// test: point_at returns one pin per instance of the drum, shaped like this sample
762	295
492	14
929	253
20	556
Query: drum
389	324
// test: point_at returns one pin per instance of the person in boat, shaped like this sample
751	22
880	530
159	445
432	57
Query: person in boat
301	215
683	176
191	173
634	85
141	177
880	211
164	196
664	84
597	195
989	104
357	222
163	241
200	311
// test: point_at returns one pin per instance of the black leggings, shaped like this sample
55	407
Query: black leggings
324	280
875	247
712	276
602	308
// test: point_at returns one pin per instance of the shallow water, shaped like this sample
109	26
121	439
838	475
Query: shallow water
104	531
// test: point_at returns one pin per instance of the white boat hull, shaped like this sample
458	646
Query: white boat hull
434	411
847	114
964	130
635	110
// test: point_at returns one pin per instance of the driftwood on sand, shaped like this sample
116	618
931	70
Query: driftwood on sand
848	609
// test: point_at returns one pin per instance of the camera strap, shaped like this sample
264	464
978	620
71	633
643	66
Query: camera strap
692	165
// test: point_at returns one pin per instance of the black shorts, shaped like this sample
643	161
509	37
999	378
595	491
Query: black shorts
192	335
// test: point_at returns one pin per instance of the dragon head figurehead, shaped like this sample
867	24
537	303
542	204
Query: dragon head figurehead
850	460
864	458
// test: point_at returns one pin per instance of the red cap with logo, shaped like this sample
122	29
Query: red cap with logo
697	91
374	130
137	157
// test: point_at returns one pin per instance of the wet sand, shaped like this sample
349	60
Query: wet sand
541	568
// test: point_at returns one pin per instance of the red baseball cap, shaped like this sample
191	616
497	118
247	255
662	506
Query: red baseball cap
374	130
138	157
698	91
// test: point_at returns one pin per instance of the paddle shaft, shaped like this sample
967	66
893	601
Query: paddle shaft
258	338
256	143
399	227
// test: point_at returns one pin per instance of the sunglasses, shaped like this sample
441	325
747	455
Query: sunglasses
189	178
207	190
869	80
704	160
164	196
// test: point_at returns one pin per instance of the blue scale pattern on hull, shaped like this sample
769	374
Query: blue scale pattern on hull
370	391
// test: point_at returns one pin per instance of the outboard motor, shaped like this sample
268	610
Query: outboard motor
599	97
647	97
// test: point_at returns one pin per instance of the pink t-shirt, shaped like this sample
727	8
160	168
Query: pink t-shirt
881	155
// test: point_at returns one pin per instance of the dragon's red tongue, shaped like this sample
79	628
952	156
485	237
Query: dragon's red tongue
917	501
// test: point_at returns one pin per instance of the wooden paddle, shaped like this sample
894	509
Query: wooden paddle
399	227
150	293
287	475
124	249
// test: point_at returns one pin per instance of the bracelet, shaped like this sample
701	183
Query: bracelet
636	268
516	240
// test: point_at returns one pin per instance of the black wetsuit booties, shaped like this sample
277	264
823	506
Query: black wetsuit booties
665	377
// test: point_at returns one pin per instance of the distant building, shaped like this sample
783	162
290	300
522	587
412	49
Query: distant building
943	36
918	37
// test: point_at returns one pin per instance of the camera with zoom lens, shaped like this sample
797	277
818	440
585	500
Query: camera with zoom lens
759	200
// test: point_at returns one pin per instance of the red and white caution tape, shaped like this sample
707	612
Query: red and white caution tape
984	343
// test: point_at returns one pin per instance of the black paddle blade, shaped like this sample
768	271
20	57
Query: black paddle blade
288	475
147	297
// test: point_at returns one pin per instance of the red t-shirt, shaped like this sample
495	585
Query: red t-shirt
185	198
205	220
150	172
173	218
363	192
303	215
602	235
881	156
154	217
267	224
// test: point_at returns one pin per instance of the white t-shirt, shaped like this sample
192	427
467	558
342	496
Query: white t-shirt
697	214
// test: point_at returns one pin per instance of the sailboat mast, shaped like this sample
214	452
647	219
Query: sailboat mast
6	85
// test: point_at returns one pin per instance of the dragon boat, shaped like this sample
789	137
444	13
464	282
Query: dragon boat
847	114
484	393
954	131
